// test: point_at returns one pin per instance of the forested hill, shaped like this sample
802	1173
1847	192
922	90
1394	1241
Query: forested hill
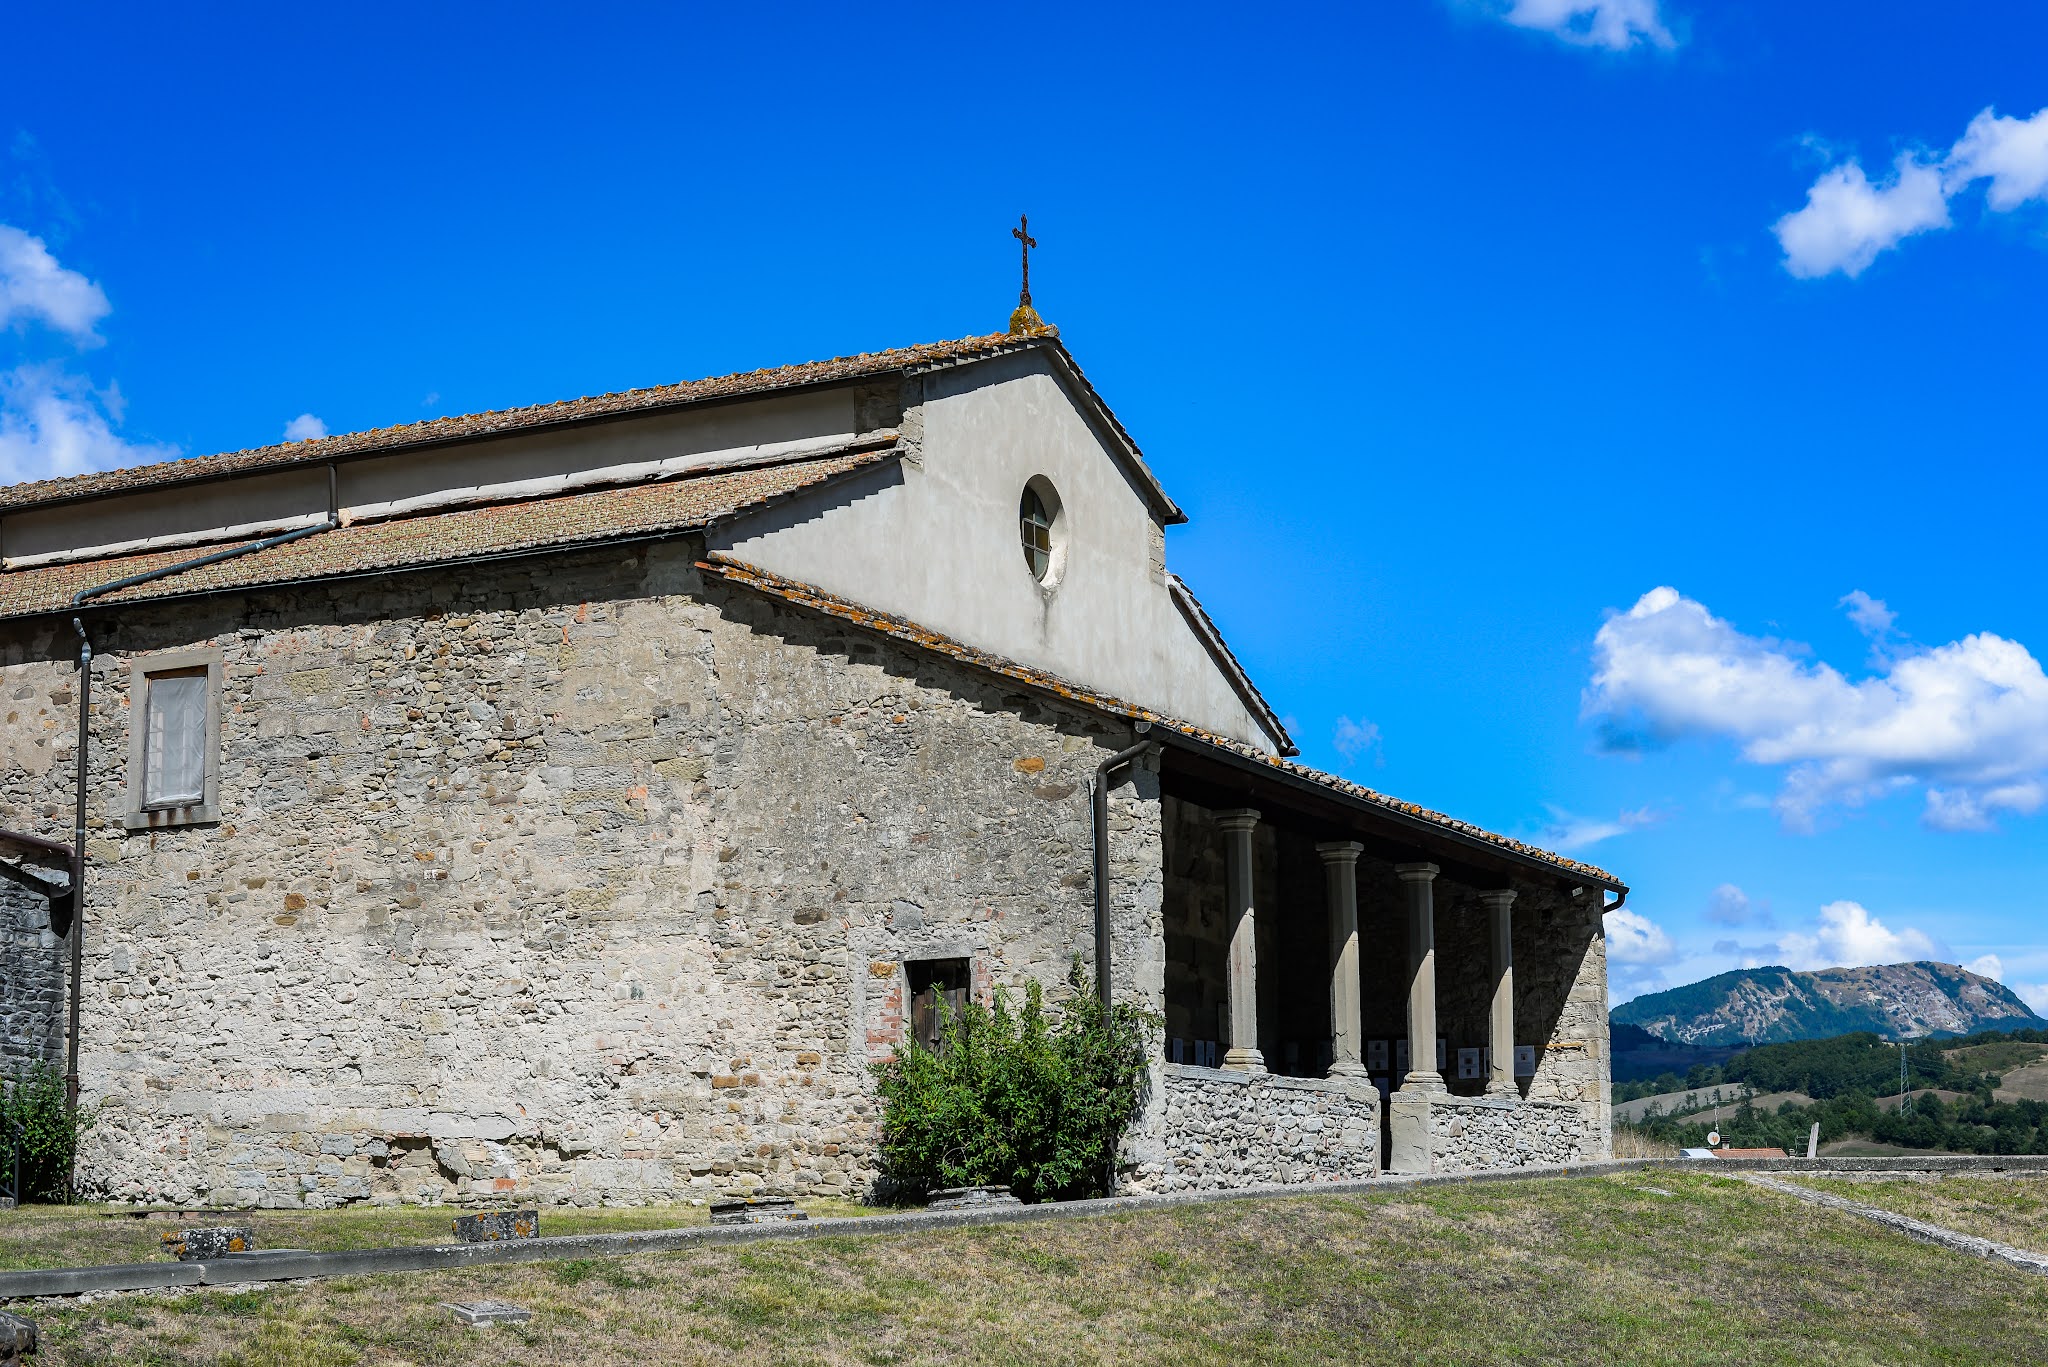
1771	1005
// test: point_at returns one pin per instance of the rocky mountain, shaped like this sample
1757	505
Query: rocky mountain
1769	1005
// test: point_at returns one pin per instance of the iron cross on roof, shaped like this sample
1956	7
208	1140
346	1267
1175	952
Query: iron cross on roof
1022	232
1025	320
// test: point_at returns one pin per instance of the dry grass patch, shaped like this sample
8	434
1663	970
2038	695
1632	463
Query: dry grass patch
2009	1207
1665	1267
86	1236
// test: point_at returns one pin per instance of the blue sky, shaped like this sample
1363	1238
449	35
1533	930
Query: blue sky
1617	422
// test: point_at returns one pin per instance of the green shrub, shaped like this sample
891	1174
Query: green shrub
1012	1099
33	1104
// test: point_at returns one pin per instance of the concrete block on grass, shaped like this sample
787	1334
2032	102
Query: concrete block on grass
756	1210
213	1241
494	1226
487	1313
970	1198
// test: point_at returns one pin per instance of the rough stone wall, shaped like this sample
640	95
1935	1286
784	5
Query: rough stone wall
1561	1004
1469	1134
1224	1130
569	879
1197	933
32	980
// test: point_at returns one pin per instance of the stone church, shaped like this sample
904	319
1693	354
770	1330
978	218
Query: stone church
569	804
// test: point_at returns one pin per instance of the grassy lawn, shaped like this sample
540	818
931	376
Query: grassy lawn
1649	1268
80	1236
2010	1209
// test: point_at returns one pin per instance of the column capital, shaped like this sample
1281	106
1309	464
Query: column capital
1340	851
1417	873
1237	818
1499	899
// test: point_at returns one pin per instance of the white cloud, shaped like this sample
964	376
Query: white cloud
52	420
1870	615
1961	810
1355	738
2011	153
1568	832
2035	995
1613	24
1989	965
34	288
1729	905
1967	720
1637	940
1848	936
1847	220
304	427
55	423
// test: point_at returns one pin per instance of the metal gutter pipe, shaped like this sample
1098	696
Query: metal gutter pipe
1101	803
84	754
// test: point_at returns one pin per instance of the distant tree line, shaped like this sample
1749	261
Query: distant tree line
1846	1075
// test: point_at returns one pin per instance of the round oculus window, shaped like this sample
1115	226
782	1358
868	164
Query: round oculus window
1038	525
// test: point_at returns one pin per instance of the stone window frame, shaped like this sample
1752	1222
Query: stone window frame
134	815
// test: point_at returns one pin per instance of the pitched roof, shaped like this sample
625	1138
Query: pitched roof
559	521
897	628
625	403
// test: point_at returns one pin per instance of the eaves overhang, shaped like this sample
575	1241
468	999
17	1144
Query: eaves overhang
1409	822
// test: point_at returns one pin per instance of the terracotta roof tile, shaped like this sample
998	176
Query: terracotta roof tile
411	542
473	425
805	595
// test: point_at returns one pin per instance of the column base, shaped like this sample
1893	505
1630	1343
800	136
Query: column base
1418	1083
1506	1091
1245	1061
1348	1071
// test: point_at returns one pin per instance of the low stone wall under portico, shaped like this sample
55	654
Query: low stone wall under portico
1220	1129
1474	1133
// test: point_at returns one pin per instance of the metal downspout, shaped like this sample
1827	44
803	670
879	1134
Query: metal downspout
84	755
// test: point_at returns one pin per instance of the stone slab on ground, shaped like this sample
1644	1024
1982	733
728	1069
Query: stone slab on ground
963	1198
17	1338
756	1210
1913	1229
491	1226
211	1241
487	1313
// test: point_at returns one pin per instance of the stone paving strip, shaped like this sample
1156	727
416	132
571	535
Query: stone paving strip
295	1265
1911	1228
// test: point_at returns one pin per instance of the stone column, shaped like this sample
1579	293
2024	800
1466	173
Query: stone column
1418	880
1498	906
1243	1053
1340	874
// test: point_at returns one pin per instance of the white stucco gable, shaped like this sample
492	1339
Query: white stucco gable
935	538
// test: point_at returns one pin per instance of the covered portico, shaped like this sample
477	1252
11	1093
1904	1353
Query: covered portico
1330	949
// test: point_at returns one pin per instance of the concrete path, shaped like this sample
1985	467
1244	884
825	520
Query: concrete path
1911	1228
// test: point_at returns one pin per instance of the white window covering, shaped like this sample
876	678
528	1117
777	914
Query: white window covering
174	758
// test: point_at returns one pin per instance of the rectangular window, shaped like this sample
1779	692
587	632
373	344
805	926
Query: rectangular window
935	983
173	739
